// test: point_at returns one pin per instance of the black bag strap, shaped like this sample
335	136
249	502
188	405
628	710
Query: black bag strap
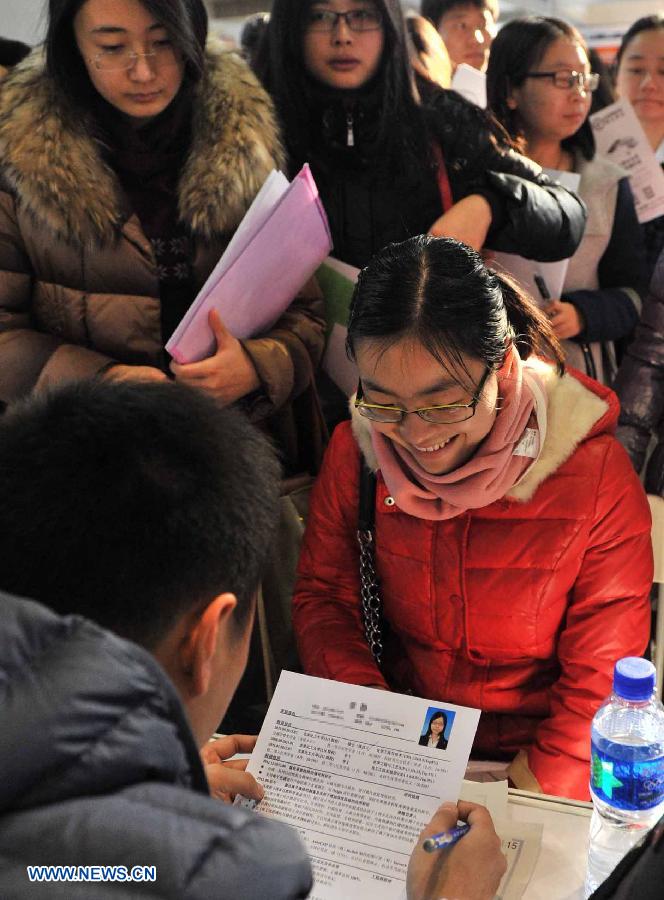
367	514
371	603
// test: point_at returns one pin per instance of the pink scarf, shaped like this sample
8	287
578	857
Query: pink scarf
501	460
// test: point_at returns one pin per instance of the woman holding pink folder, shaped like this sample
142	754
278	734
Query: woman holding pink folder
130	150
388	163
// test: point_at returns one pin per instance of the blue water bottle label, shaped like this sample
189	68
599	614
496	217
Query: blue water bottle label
627	784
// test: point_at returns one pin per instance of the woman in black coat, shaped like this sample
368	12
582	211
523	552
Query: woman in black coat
390	163
640	387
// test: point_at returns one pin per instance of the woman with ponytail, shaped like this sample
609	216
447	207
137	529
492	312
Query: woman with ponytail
511	537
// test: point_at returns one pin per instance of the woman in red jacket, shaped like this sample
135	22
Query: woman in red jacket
512	537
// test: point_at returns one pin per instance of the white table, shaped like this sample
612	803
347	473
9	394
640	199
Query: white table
561	866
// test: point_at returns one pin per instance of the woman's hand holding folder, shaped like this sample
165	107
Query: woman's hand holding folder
228	374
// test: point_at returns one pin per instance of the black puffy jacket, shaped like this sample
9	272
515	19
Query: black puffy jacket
99	767
370	204
640	387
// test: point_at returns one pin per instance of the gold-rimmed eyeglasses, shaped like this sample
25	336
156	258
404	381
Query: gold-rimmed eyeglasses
443	414
115	58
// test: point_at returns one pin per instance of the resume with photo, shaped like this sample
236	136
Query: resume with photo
348	768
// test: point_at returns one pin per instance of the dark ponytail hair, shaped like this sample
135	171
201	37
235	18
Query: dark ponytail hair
439	292
185	20
517	49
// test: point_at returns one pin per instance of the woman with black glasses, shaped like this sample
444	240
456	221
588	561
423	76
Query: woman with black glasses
539	86
390	164
130	149
510	535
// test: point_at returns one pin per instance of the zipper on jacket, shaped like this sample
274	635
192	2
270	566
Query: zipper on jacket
350	135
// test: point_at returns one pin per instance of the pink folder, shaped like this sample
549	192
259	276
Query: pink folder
285	247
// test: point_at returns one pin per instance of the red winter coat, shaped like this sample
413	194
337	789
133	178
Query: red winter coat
520	608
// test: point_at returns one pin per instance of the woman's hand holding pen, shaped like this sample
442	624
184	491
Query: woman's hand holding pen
227	777
471	869
467	221
565	318
228	374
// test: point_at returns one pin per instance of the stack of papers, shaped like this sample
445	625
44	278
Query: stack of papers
277	247
620	137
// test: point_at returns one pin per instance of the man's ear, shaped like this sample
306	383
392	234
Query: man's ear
201	641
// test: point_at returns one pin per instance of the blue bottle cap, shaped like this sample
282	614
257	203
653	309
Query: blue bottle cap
634	678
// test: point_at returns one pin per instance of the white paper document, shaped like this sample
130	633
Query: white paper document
521	843
492	794
471	84
620	137
525	270
344	765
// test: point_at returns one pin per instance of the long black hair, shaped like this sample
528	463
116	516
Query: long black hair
185	20
401	128
646	23
518	47
440	293
437	715
12	52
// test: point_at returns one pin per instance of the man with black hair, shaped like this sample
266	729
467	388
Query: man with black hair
466	26
149	510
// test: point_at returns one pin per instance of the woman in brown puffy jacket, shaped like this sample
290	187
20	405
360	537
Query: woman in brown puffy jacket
130	152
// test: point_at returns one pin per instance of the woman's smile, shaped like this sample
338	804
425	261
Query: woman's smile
406	375
434	447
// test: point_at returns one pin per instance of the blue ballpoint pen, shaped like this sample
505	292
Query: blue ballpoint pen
445	838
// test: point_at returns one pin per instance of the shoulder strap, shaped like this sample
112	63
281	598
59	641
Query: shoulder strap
442	177
367	511
371	605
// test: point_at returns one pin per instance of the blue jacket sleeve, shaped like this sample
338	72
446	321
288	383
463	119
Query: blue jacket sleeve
612	311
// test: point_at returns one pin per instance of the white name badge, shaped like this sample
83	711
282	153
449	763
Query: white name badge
529	444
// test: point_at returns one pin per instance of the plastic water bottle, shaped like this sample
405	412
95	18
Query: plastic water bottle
627	768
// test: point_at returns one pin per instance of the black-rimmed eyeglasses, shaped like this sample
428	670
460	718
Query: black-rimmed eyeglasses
443	414
326	20
566	79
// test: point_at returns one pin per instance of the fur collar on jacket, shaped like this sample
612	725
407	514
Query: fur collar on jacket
573	413
53	166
